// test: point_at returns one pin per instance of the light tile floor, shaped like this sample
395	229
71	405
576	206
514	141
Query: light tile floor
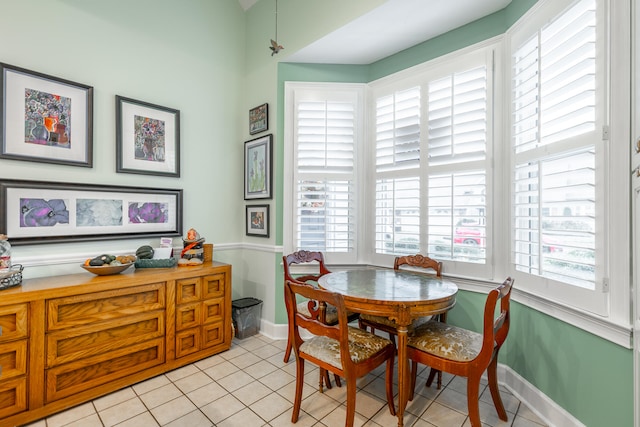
249	385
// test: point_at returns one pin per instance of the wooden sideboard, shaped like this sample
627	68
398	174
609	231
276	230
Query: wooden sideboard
65	340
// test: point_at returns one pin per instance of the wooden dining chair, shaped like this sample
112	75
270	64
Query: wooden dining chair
418	263
342	349
328	313
422	264
466	353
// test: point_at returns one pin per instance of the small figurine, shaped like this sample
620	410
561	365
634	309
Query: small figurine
192	253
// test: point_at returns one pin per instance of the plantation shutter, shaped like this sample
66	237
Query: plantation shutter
325	140
397	187
457	146
555	141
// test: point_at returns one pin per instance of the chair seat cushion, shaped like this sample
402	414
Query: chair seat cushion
446	341
385	321
362	345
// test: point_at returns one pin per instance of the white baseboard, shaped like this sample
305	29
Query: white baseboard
539	403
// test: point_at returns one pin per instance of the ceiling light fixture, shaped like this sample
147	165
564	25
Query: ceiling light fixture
275	47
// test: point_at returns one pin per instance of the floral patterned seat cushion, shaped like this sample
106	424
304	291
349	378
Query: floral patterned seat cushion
362	345
446	341
391	323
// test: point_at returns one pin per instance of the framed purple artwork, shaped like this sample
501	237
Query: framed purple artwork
48	212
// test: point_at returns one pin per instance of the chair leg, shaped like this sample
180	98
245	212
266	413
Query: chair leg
351	401
299	385
473	390
414	374
389	385
337	378
287	351
432	375
492	375
325	379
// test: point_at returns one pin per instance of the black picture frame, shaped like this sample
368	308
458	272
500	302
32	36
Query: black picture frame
147	138
257	220
258	167
259	119
35	212
37	121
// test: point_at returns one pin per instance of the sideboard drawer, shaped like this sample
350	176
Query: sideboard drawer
71	378
72	344
13	396
100	306
13	322
213	310
188	290
187	342
13	359
212	334
188	316
213	286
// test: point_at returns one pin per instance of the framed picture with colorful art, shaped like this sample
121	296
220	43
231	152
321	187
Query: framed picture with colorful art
33	212
257	219
147	138
259	119
45	119
257	168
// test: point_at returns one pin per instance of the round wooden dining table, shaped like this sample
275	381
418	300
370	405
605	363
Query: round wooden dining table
400	295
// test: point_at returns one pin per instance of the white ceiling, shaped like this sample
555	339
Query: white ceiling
394	26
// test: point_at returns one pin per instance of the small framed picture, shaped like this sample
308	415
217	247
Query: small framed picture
147	138
257	168
45	119
258	220
259	119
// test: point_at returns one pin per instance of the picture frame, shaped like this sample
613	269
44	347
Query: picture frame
45	118
259	119
35	212
147	138
257	220
257	168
